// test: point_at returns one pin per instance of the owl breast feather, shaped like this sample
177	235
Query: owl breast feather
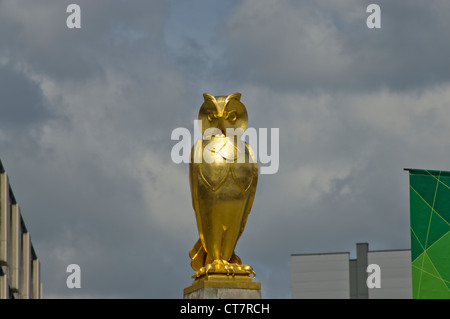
224	166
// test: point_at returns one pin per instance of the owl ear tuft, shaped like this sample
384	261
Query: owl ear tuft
208	96
234	96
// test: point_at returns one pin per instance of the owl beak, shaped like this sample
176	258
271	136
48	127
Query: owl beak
222	125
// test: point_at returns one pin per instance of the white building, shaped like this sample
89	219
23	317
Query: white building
336	276
19	265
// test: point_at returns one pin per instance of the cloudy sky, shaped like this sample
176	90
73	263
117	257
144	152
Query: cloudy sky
86	117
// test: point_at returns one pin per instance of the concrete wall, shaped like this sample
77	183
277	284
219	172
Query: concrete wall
320	276
396	282
335	276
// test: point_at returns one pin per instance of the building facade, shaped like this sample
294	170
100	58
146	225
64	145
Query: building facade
336	276
19	265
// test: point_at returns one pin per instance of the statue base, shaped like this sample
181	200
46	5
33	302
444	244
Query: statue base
223	287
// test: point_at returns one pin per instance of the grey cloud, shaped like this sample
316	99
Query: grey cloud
89	159
21	100
111	32
303	46
109	99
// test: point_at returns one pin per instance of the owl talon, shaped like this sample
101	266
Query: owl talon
208	268
230	269
223	267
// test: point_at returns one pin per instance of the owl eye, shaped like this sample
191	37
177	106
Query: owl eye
212	116
231	116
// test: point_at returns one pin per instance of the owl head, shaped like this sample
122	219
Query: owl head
222	112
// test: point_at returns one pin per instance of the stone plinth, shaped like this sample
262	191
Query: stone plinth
223	287
224	293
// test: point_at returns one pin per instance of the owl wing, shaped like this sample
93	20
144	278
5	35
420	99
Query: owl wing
252	188
197	253
196	155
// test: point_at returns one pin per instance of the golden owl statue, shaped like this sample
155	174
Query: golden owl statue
223	173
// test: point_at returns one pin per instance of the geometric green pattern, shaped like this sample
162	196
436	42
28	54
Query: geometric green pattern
430	233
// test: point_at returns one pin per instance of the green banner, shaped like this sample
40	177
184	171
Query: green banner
430	233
